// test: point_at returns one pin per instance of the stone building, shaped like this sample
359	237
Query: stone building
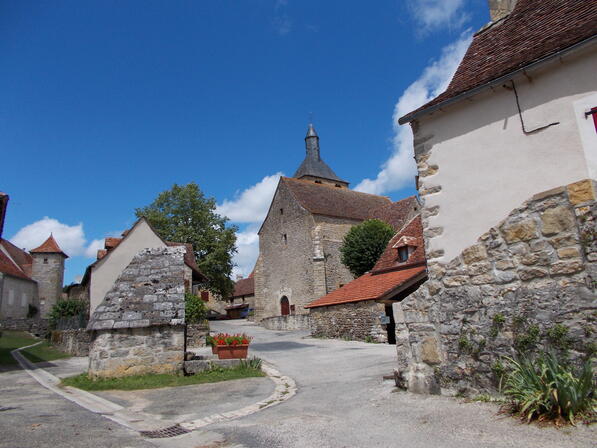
299	240
362	309
507	166
28	281
242	299
101	275
139	326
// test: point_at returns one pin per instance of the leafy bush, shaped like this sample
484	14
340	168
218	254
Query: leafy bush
545	388
364	244
252	363
195	310
65	308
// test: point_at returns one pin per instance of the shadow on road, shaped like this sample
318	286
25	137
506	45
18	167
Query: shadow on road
275	346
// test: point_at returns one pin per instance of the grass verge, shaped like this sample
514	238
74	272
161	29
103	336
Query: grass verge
156	381
11	340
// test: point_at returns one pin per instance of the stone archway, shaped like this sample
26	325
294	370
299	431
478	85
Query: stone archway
284	306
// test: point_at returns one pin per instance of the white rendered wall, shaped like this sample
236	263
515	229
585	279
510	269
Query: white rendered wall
488	167
105	273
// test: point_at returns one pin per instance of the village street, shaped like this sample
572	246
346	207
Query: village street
342	401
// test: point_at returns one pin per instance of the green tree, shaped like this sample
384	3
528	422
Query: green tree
363	245
183	214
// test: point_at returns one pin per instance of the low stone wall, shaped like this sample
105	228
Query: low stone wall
73	342
287	323
527	284
36	326
135	351
357	321
194	366
197	335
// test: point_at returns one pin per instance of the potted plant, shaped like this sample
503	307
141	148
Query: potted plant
210	340
232	346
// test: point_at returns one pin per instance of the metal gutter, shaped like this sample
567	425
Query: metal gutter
412	116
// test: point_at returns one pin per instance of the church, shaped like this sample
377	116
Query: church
300	238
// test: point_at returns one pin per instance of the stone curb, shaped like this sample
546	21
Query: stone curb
285	389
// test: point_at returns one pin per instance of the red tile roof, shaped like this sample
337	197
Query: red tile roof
328	200
534	30
49	246
389	275
244	287
23	260
9	265
397	213
369	287
111	242
411	233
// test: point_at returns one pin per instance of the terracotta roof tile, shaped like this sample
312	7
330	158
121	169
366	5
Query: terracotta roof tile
8	267
244	287
368	287
412	233
534	30
111	242
324	199
49	246
19	256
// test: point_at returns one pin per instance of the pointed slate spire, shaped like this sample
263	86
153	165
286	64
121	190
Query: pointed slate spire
313	167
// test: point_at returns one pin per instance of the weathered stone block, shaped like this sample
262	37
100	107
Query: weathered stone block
568	252
474	253
456	280
567	267
580	192
505	264
557	219
430	352
531	273
523	230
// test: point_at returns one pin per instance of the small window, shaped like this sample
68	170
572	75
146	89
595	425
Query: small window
403	253
45	261
285	238
24	299
317	181
281	211
338	185
205	296
11	296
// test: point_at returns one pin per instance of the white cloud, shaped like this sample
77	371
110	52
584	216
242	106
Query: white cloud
282	22
252	204
247	244
71	239
94	246
400	168
430	15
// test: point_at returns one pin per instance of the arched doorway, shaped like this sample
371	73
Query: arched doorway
284	306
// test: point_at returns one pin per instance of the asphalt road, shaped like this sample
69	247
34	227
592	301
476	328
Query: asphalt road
342	401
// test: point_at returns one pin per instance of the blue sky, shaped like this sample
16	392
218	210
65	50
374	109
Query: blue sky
107	103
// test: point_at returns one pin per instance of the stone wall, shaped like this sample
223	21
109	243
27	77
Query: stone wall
48	271
36	326
197	335
139	325
357	321
287	323
527	283
73	342
136	351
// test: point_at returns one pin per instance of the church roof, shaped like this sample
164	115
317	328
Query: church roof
313	165
328	200
398	213
49	246
533	31
389	276
244	287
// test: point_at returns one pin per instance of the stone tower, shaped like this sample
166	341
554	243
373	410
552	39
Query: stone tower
48	272
315	169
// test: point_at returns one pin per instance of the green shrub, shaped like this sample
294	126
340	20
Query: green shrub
545	388
558	336
65	308
364	244
527	341
195	310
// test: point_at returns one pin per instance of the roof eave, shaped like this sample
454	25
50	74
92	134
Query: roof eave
468	93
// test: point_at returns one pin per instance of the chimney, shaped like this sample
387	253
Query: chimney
498	9
3	206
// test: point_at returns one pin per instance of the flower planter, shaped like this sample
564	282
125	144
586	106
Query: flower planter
232	351
214	349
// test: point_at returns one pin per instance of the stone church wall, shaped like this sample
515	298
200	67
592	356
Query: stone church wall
285	266
357	321
529	282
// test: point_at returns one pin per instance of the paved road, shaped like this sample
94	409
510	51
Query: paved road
342	401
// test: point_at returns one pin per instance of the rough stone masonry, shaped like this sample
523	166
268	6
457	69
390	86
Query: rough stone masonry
139	326
527	284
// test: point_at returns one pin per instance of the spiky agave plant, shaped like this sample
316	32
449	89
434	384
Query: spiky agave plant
544	388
